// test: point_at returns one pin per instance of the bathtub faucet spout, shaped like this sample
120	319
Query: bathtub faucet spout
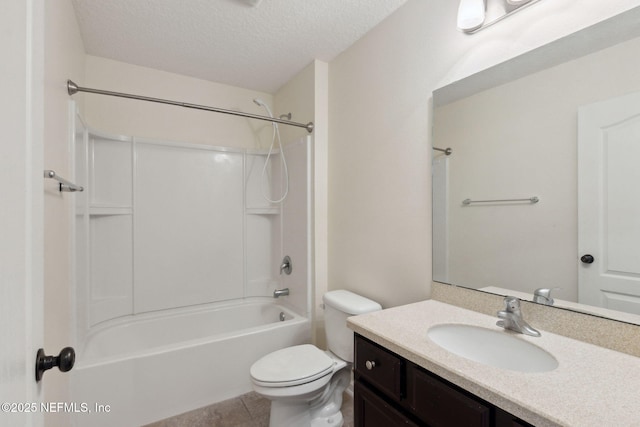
280	292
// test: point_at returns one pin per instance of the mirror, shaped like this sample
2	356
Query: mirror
510	208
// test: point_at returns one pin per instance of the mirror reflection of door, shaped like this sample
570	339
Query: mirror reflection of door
609	203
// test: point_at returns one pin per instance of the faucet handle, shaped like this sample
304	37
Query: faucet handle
511	304
286	265
544	292
543	296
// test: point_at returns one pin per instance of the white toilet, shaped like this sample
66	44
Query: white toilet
304	383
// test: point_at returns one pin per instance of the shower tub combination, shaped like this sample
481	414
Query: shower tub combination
177	259
161	365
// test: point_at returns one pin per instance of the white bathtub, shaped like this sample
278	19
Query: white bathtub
161	365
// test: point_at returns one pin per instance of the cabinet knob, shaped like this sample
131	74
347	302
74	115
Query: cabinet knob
370	364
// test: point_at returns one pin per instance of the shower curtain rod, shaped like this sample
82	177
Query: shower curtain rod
73	88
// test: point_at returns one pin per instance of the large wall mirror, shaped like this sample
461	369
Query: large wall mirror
542	187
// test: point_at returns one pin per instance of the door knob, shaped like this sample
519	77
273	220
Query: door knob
64	361
587	259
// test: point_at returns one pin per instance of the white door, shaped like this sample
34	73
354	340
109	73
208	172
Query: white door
21	174
609	203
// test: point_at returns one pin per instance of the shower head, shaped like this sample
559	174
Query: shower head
261	103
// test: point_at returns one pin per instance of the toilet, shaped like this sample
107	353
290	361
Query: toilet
305	384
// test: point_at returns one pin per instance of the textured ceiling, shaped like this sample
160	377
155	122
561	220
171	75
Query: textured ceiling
234	42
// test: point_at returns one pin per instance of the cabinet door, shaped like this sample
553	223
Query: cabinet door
373	411
379	367
440	404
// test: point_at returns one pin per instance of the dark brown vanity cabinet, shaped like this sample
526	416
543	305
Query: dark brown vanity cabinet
391	391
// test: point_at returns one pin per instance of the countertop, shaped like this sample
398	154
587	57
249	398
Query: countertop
592	386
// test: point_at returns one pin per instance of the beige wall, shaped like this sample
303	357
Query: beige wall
64	59
379	151
297	97
305	96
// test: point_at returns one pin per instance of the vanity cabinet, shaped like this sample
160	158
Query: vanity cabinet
392	391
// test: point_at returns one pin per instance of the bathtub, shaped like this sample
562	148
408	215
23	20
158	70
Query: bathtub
134	372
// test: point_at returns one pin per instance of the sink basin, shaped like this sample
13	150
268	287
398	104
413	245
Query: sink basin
495	348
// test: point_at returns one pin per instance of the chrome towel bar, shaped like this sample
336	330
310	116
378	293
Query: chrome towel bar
533	199
64	185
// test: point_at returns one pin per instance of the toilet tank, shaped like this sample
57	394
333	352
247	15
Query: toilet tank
338	305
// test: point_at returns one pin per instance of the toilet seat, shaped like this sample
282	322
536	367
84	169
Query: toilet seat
292	366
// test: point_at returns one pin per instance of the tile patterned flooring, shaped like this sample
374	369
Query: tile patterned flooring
248	410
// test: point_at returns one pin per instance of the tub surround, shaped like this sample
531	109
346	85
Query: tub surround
592	386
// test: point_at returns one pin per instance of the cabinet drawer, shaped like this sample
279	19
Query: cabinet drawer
372	411
440	404
379	367
505	419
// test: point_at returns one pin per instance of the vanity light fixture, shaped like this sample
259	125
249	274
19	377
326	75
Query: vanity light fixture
252	3
471	15
474	15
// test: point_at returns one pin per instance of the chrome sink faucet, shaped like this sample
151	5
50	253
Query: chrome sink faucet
511	318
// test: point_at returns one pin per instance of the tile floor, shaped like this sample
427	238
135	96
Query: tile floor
248	410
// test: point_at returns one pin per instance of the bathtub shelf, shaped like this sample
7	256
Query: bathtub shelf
97	210
263	211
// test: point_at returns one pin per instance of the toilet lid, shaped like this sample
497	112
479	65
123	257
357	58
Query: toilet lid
292	366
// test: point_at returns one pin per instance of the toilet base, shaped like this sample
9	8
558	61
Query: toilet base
336	420
290	415
321	410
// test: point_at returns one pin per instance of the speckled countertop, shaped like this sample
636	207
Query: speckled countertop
592	386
